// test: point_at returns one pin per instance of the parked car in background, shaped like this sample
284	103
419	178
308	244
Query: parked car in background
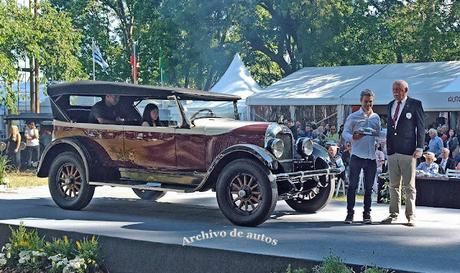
250	165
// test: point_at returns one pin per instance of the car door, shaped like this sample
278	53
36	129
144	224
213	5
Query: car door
150	148
190	149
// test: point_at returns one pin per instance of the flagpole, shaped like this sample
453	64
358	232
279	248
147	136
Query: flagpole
160	63
94	63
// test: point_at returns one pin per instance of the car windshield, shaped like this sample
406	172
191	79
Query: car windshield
206	109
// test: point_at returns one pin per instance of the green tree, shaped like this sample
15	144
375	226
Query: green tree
49	37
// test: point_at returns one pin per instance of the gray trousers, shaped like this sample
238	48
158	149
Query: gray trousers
402	168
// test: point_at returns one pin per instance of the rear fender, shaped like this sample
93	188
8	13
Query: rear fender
59	146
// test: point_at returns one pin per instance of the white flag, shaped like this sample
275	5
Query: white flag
97	56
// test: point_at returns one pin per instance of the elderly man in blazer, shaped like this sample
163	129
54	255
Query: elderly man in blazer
445	162
405	140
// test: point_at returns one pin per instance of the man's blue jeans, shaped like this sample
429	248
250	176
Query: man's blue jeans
369	167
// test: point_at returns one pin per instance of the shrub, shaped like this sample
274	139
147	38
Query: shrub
60	246
89	251
28	252
332	264
26	248
299	270
3	169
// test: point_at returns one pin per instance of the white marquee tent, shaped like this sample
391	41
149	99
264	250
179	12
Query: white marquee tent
236	81
314	86
437	84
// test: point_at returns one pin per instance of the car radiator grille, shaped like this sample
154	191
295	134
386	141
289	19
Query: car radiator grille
288	148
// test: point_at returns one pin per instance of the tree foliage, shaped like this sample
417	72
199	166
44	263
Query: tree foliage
196	39
49	37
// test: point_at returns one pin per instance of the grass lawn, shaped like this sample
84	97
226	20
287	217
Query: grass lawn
25	179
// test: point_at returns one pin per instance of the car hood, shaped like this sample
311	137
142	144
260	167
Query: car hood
219	126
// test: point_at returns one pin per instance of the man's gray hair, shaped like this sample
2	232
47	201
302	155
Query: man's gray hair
402	83
433	131
367	93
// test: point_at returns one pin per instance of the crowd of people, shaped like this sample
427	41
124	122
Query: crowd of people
441	146
23	149
400	145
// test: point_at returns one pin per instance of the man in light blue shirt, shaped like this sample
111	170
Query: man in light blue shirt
435	145
361	128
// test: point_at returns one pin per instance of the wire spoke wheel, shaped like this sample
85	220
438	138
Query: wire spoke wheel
69	181
245	193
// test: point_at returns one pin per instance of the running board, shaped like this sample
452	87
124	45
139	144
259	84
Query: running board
140	185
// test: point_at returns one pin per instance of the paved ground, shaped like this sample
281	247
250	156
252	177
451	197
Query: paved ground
432	246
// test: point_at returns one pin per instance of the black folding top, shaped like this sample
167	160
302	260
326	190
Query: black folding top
100	88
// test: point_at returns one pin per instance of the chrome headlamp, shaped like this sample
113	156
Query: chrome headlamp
304	146
276	146
272	143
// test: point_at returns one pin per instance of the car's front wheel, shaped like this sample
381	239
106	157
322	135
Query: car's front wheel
244	193
67	182
149	195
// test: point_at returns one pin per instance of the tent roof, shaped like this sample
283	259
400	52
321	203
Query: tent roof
437	84
314	86
236	80
433	83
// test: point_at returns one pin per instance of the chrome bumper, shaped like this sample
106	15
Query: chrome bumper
302	176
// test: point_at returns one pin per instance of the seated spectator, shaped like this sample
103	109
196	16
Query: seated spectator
309	131
105	111
151	116
443	133
292	127
452	142
336	159
333	136
300	132
445	162
429	166
435	145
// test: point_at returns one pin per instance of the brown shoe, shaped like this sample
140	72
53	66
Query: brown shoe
390	219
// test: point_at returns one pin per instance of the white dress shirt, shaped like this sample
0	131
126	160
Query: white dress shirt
364	147
401	107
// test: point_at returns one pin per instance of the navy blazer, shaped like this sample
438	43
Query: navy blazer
449	165
410	132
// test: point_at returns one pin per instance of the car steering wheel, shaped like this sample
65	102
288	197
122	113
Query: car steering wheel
211	113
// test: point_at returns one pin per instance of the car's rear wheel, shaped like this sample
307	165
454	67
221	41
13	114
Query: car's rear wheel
314	199
149	195
67	182
244	193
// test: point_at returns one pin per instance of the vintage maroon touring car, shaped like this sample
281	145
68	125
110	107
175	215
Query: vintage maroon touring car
250	165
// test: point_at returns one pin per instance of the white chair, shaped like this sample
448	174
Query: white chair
453	173
340	186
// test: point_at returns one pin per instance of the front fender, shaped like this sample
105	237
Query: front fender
58	146
236	152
